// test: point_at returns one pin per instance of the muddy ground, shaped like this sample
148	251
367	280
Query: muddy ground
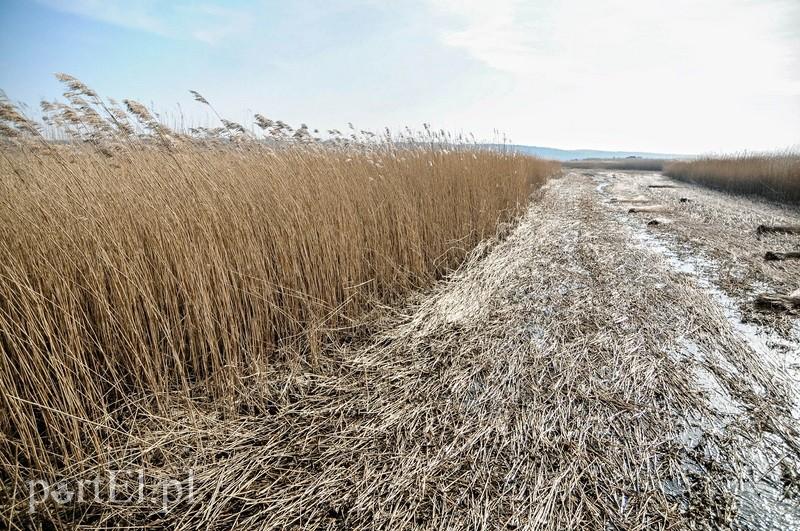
589	371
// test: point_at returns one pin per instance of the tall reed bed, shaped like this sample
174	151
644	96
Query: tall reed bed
136	261
774	176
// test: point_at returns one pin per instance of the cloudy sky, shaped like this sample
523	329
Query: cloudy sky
680	76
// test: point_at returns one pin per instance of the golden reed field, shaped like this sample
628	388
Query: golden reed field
774	176
138	263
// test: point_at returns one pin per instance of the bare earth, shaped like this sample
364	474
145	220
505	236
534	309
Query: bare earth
589	371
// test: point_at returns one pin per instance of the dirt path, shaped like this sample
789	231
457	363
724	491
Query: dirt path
587	372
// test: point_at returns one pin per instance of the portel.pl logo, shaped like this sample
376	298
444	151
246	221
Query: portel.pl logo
121	487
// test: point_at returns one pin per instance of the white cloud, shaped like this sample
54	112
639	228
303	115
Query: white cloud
215	23
709	43
209	23
717	73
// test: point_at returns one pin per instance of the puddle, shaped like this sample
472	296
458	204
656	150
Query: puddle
601	188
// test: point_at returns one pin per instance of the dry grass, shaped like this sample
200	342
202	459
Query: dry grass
531	390
618	164
774	176
144	268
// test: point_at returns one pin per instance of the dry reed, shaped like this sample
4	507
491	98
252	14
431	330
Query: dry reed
773	176
533	389
137	261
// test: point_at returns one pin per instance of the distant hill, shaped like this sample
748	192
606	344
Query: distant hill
579	154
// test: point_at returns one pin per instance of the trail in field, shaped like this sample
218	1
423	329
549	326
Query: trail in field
587	372
711	239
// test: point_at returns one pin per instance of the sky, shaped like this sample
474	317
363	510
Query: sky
672	77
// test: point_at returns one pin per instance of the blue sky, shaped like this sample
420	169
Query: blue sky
680	76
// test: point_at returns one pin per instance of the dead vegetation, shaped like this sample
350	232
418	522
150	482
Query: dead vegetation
778	256
778	229
144	271
531	390
711	242
779	301
630	163
171	303
773	176
651	209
